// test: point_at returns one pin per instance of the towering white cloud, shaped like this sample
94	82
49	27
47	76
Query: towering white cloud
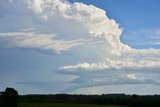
58	25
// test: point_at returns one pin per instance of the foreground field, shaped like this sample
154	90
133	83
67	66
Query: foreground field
64	105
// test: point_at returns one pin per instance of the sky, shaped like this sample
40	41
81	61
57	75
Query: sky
80	46
138	18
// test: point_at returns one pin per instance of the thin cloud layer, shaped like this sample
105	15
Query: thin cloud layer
35	41
58	25
145	38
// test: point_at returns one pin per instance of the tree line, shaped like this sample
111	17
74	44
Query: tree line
10	98
105	99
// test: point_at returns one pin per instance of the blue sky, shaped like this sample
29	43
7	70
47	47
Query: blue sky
61	47
133	16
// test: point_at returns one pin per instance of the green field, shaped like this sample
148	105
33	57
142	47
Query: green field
64	105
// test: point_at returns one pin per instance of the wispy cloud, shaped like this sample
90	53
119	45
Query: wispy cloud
31	40
147	38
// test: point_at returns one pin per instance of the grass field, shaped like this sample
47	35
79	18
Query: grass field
64	105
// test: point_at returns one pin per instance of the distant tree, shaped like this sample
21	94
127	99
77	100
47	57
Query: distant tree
10	98
134	96
1	99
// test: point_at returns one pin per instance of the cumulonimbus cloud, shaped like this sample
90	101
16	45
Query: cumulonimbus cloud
96	37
